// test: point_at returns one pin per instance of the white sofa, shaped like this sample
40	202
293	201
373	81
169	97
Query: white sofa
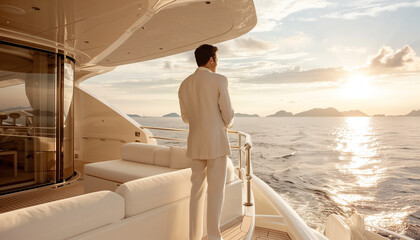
153	208
142	161
138	160
63	219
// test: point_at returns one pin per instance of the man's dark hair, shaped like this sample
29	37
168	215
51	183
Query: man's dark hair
203	54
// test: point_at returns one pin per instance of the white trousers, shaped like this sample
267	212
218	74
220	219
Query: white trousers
215	172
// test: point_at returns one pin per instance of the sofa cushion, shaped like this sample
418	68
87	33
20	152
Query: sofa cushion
230	171
179	159
123	171
162	156
64	218
148	193
138	152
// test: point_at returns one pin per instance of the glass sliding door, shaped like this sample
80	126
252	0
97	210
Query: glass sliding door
33	116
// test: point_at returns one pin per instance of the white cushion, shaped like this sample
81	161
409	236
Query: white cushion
230	174
162	156
179	159
64	218
138	152
123	171
148	193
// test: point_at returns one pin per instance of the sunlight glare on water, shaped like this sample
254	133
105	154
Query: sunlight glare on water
358	149
362	166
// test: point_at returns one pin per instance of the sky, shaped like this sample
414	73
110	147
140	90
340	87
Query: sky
303	54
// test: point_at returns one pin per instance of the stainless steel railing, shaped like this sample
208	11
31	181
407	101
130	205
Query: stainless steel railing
244	148
104	139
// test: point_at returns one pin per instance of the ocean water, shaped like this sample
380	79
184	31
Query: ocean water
335	165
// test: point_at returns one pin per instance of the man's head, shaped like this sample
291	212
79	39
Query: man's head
205	56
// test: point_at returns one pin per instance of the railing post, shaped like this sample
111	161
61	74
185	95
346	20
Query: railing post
240	155
248	175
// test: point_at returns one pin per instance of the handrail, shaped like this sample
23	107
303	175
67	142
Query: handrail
389	232
170	139
105	139
166	129
246	149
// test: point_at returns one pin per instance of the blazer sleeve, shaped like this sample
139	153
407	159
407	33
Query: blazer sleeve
182	107
225	106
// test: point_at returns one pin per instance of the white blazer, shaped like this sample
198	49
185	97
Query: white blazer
205	104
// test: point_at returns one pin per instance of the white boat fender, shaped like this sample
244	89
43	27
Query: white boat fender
357	226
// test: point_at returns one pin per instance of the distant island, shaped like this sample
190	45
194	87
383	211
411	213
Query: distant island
171	115
332	112
321	112
315	112
133	115
414	113
354	113
246	115
281	113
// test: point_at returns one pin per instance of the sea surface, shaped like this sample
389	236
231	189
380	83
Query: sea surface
335	165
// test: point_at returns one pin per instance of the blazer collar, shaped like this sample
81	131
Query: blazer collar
203	69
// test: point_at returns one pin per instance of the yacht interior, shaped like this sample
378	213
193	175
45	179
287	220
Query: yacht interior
74	167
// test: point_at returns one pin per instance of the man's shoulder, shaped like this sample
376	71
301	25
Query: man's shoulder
221	76
217	76
187	79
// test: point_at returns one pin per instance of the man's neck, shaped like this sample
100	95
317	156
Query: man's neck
209	67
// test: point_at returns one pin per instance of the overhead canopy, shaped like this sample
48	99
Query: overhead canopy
102	34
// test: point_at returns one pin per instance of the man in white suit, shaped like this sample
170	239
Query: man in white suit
205	105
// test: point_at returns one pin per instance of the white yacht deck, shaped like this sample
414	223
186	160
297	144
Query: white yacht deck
13	201
235	230
38	196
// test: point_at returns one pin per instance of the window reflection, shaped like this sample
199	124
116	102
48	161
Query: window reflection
28	103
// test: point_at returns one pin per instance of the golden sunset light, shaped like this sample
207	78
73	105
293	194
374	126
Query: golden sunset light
215	119
357	86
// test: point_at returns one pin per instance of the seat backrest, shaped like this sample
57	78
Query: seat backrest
64	218
138	152
151	192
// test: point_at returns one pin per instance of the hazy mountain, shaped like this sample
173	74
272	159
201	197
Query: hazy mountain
414	113
320	112
354	113
246	115
171	115
281	113
133	115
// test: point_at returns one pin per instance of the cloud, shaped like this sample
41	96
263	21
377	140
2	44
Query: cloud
297	75
246	46
306	19
386	62
249	46
272	12
253	44
370	8
296	41
389	61
342	49
167	65
265	25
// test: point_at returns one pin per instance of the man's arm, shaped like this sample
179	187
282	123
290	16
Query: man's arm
225	105
182	107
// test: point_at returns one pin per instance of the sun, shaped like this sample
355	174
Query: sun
357	86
